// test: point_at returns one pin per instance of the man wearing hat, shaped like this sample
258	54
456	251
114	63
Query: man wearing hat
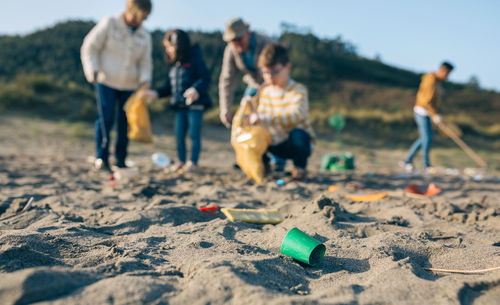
241	55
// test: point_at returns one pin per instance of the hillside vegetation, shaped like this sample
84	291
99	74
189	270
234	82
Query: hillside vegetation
41	74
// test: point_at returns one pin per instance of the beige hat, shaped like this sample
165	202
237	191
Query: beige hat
235	28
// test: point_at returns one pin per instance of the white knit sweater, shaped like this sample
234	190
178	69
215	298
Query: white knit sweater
122	58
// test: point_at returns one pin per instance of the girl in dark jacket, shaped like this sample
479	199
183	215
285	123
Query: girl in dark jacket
187	85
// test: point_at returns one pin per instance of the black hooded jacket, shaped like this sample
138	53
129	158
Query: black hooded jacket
182	76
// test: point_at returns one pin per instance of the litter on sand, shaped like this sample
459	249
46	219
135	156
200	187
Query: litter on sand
209	209
126	173
432	190
160	159
333	188
260	216
369	197
302	247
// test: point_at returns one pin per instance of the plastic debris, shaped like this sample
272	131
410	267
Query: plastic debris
260	216
333	188
161	159
209	209
302	247
432	190
369	197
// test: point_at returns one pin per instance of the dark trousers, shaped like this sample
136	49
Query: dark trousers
111	102
188	119
297	147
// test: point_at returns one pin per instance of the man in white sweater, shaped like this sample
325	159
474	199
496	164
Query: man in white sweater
116	58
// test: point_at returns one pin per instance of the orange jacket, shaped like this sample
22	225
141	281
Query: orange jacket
429	94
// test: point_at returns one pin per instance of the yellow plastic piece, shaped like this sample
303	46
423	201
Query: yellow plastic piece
260	216
139	125
249	144
370	197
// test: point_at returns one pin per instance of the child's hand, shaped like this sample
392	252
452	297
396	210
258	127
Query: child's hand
254	118
191	95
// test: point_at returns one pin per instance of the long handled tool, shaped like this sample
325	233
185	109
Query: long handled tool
100	113
462	145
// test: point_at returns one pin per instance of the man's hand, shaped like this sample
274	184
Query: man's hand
437	119
226	117
145	85
148	95
191	95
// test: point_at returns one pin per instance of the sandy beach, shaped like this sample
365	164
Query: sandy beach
89	240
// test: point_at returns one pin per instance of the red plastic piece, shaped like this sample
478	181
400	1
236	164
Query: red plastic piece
432	190
209	209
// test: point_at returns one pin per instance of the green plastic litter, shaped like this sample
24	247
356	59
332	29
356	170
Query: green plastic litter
302	247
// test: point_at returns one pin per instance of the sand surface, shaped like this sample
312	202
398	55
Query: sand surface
88	240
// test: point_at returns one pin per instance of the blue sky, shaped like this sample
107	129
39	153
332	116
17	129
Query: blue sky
416	35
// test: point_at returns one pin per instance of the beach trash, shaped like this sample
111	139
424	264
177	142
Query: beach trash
209	209
126	173
280	182
259	216
160	159
337	162
326	160
345	162
302	247
432	190
333	188
365	198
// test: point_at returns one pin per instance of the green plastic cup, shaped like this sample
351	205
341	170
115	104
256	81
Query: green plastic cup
302	247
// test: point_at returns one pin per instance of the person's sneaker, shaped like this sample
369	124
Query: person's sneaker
190	167
407	166
100	164
121	164
430	170
175	168
299	174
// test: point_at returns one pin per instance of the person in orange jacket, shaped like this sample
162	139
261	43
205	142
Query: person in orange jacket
425	110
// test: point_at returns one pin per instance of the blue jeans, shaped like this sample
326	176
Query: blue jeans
188	119
110	100
297	147
423	142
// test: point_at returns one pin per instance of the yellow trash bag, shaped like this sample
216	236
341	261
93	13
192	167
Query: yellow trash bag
249	144
139	125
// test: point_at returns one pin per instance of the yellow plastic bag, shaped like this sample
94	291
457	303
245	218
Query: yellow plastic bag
139	125
249	144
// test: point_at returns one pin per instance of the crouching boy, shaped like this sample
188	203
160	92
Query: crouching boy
283	108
